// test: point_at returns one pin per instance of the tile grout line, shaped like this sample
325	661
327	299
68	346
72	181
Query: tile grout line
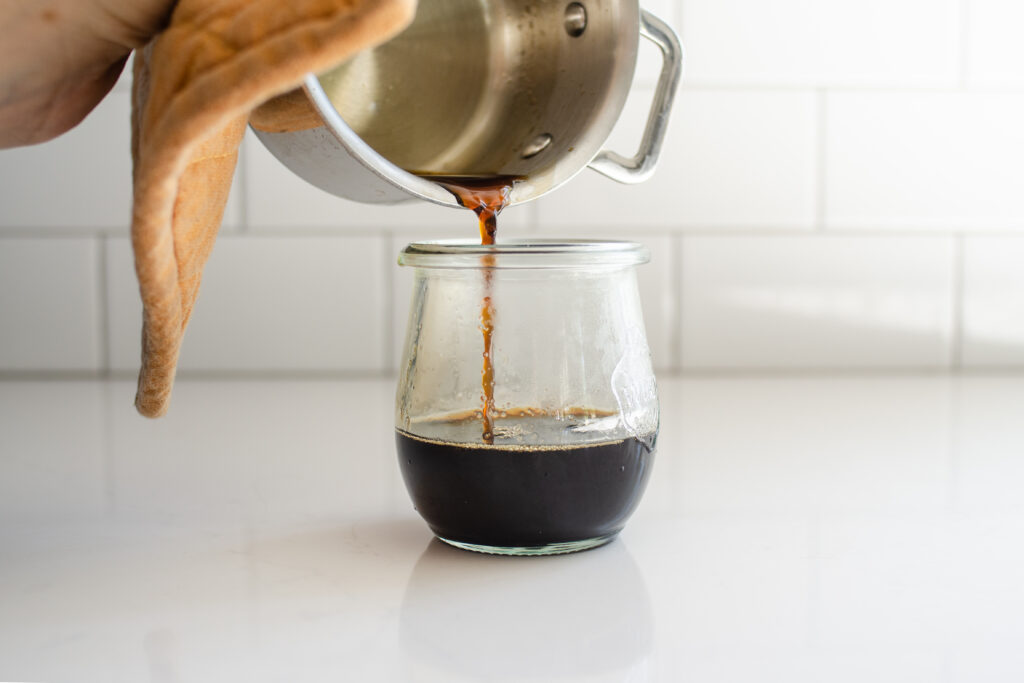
908	89
388	307
821	151
956	343
102	306
964	37
242	178
704	229
676	328
706	372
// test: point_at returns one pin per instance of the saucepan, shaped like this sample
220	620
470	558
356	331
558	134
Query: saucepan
523	89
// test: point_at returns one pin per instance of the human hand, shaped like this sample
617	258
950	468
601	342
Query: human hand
61	57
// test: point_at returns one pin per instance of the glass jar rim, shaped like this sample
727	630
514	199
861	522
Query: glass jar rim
524	253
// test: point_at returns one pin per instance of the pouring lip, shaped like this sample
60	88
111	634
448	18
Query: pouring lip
528	252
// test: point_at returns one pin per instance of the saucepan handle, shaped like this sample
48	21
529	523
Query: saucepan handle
640	166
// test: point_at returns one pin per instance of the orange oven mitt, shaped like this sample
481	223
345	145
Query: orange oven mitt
195	86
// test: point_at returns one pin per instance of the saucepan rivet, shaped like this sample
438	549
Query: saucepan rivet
575	19
537	145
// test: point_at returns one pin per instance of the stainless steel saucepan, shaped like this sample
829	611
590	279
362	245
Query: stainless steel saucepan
524	88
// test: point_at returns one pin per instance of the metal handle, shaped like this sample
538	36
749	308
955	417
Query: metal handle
640	166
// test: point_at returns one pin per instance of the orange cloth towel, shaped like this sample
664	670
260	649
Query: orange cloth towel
195	86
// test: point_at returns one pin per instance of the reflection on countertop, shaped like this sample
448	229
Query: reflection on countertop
795	529
476	617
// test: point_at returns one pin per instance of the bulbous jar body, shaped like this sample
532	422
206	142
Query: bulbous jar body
527	411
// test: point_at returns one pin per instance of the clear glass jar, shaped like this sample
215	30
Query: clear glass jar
555	456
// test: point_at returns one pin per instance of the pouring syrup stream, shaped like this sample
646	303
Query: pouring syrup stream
486	197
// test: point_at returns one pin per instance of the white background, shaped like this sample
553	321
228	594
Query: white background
842	188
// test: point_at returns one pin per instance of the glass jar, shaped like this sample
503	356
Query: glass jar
527	411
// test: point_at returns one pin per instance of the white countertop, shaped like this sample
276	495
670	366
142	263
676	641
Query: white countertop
795	529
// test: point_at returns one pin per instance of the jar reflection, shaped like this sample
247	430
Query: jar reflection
471	617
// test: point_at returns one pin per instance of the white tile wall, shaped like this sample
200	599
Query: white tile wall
812	302
649	61
996	51
269	303
841	187
823	42
925	160
731	158
49	304
657	282
81	180
993	304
